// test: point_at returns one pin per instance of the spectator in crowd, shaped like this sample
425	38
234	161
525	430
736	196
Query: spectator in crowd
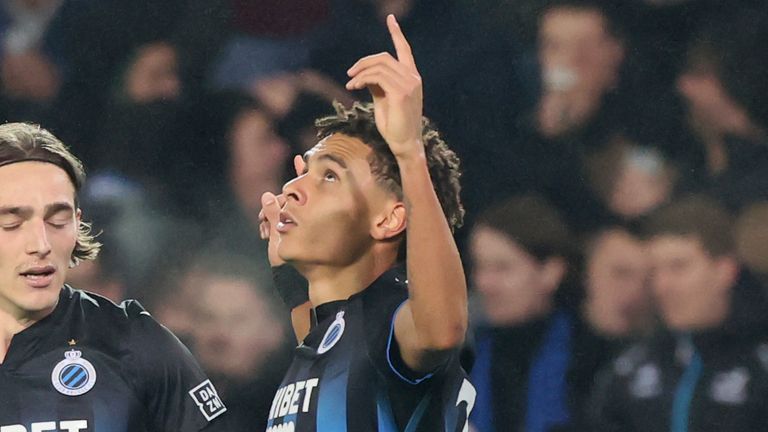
721	84
752	238
102	276
617	300
520	250
629	178
581	51
247	154
296	99
142	135
240	334
265	39
31	65
616	310
710	372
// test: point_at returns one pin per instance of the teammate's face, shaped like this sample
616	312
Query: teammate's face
618	299
38	231
331	207
513	285
691	286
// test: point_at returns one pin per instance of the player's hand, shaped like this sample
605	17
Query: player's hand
269	216
395	85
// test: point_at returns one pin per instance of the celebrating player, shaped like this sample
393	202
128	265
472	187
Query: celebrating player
380	188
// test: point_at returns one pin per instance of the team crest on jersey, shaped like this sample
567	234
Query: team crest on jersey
333	334
74	375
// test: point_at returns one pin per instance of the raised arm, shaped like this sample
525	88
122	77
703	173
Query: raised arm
433	321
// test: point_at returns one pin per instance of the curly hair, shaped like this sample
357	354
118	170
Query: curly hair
443	164
21	142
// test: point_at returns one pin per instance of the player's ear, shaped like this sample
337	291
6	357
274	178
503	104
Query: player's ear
390	222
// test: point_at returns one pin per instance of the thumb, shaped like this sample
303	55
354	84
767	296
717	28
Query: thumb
270	216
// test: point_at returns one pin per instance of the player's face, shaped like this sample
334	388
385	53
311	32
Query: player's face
618	297
38	231
691	286
509	280
330	208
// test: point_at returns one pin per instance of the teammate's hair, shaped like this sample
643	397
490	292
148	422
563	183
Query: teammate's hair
698	216
531	222
20	142
359	122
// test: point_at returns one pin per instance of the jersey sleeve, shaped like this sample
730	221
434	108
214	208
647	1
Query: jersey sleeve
381	310
175	391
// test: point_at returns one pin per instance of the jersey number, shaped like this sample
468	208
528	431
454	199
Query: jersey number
467	393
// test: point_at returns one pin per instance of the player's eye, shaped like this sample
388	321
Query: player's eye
58	223
10	223
330	176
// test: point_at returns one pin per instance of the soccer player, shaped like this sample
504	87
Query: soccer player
69	360
379	188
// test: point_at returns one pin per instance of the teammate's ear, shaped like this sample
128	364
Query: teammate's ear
390	223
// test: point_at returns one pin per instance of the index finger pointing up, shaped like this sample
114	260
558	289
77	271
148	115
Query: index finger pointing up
402	48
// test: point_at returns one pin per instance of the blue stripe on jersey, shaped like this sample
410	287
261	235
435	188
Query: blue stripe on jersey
386	420
332	403
482	415
389	351
418	413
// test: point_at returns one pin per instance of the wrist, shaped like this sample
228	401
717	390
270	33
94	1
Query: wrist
416	156
290	285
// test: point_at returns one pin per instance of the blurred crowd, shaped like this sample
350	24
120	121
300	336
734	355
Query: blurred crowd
615	164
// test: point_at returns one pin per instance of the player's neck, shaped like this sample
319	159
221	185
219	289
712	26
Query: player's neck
327	284
9	326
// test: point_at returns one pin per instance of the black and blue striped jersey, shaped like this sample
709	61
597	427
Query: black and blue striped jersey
93	366
348	375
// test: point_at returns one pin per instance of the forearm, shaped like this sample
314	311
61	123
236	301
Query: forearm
437	284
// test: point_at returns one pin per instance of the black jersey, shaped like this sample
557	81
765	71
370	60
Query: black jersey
92	366
348	374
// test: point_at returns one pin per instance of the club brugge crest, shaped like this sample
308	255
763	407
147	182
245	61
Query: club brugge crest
74	375
333	334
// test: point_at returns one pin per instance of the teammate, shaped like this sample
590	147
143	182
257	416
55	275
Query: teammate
69	360
381	353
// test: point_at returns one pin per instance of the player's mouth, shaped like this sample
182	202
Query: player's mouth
39	276
286	222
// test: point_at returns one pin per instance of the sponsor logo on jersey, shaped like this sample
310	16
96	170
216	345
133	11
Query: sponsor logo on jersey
52	426
730	387
291	399
333	334
207	400
74	375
